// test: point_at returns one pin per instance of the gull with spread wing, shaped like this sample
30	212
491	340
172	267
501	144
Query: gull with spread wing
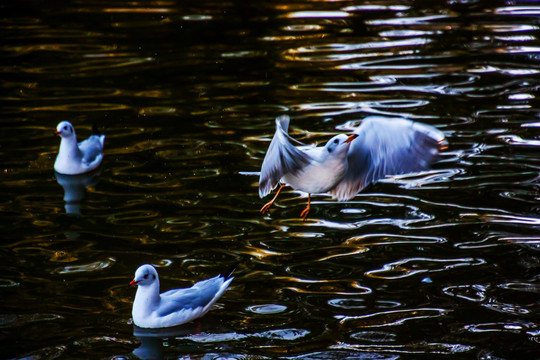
380	146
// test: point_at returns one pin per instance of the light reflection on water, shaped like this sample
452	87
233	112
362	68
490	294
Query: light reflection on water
438	264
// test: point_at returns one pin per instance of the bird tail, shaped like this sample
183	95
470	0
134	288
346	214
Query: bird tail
228	272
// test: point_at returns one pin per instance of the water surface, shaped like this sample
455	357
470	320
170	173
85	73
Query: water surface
442	264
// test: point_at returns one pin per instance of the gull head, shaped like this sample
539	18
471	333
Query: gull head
65	129
338	146
145	275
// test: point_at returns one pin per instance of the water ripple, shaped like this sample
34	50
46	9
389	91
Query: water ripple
510	298
317	14
475	293
49	352
374	336
333	52
416	348
413	266
278	334
524	287
7	283
510	327
87	68
516	140
502	218
12	320
83	268
396	63
376	7
391	317
52	93
267	309
506	307
518	10
392	239
327	287
352	303
419	20
497	240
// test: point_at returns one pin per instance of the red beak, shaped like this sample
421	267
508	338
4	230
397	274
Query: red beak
57	132
351	138
133	283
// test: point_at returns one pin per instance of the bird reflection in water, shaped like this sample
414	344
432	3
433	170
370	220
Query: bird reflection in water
152	340
75	188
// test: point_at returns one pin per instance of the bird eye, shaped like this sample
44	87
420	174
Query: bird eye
336	141
145	276
65	128
154	277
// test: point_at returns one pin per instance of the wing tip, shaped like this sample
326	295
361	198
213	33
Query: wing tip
262	193
264	187
282	122
227	274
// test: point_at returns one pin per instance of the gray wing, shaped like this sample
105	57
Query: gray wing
92	148
388	146
281	158
197	296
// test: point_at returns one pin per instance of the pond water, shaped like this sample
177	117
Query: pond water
442	264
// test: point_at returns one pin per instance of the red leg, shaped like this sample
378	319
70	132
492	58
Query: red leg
305	213
266	206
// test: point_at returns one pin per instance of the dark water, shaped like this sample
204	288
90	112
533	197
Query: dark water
444	264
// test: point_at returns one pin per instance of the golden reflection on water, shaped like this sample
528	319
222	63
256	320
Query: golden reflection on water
138	10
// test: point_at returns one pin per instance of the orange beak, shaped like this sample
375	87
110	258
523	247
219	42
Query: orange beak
351	138
133	283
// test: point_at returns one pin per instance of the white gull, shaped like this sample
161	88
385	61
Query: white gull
73	158
379	147
174	307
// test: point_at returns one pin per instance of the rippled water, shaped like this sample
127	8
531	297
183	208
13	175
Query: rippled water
442	264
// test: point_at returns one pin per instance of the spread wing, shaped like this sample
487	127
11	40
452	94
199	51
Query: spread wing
388	146
281	158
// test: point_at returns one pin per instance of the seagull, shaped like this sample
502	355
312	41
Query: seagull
73	158
174	307
380	146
